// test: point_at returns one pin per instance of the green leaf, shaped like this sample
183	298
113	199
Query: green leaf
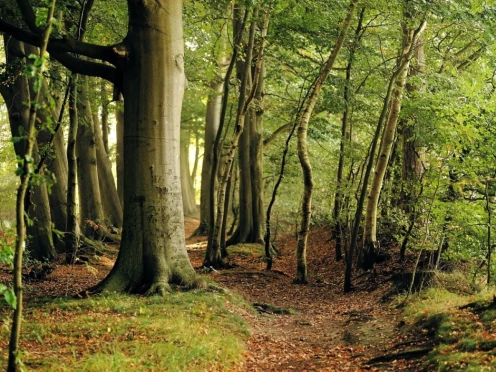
10	297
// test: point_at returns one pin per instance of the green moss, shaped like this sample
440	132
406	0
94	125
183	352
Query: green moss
463	327
194	331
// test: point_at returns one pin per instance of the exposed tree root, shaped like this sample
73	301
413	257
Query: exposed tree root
408	354
158	288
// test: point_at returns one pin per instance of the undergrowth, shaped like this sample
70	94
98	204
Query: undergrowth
184	331
462	326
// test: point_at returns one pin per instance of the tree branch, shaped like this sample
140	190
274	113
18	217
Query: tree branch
65	45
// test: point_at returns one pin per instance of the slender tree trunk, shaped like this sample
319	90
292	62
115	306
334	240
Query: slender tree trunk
345	137
212	119
409	45
306	206
213	255
13	362
72	231
489	231
153	251
90	201
111	204
105	114
187	190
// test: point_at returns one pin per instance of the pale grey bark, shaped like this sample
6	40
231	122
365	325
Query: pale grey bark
212	120
187	189
90	201
306	206
153	252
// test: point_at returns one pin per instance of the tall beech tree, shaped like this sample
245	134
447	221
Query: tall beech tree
148	68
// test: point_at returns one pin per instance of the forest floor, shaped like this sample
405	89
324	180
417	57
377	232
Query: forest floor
320	328
327	330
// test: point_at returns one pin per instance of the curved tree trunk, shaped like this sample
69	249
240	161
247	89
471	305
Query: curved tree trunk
153	252
409	45
306	205
90	201
213	254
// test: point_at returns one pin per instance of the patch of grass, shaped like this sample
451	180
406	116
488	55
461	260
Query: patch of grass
185	331
465	334
247	250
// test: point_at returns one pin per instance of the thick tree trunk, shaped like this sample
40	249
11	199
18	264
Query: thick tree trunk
90	201
409	45
250	227
306	205
153	252
17	99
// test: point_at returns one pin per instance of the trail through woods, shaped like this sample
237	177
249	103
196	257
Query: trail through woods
326	329
329	331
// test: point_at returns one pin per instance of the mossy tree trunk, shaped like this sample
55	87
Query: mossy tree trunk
213	256
153	252
17	96
147	67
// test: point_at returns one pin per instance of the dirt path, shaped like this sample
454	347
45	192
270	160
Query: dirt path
329	331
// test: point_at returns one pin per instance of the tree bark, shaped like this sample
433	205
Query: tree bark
111	204
17	98
153	252
187	190
213	255
72	231
409	45
119	159
212	119
345	138
250	227
306	206
90	201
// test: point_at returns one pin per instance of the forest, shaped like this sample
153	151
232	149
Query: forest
263	185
